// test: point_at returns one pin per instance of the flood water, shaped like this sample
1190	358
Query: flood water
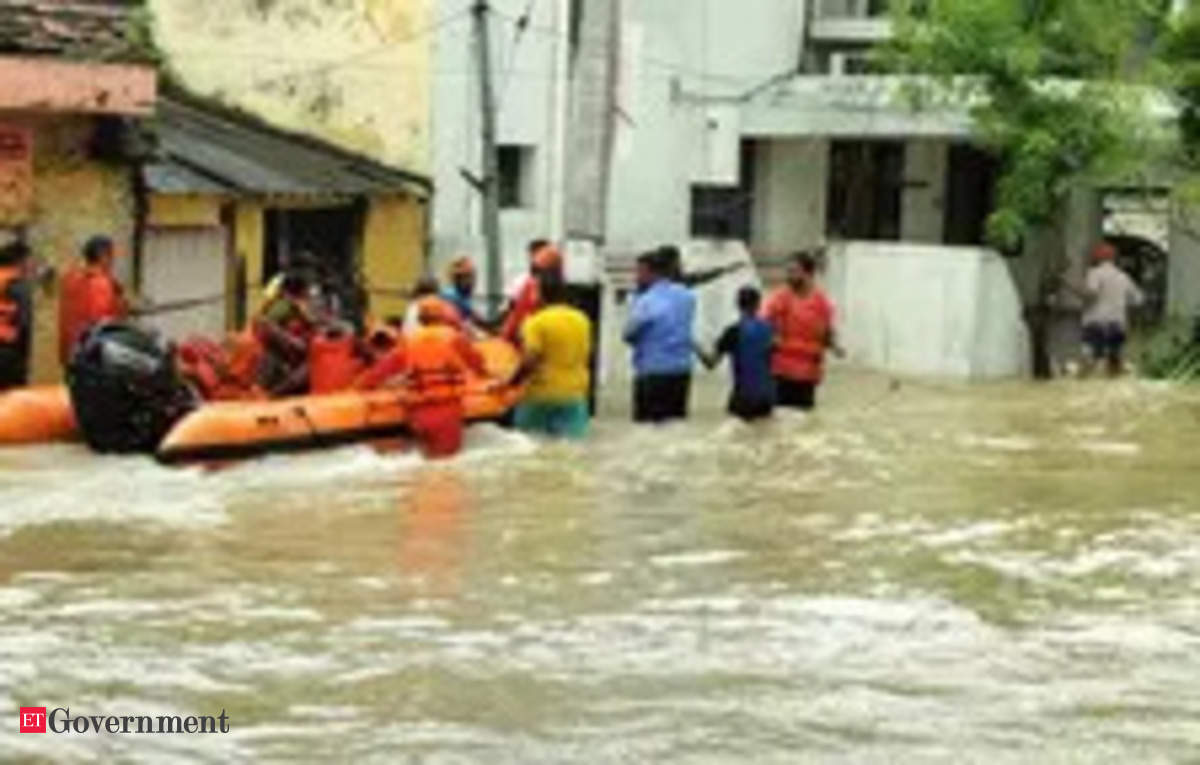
991	573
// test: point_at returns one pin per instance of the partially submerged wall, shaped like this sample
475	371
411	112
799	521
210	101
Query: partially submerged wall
928	310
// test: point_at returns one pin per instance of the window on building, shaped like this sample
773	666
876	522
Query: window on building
866	190
724	212
971	175
516	176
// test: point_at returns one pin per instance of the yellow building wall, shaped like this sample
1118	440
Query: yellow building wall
392	252
248	248
75	197
178	210
355	72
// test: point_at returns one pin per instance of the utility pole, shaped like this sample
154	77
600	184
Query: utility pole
556	202
490	183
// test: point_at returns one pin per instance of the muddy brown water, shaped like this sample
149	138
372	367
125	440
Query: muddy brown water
944	573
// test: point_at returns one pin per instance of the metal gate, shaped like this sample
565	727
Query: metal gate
182	264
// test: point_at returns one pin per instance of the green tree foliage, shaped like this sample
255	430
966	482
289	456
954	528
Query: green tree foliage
1047	81
1180	49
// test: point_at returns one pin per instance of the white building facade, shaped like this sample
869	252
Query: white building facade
750	127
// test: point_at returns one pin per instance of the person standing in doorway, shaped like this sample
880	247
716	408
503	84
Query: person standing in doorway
1109	293
16	315
802	318
89	294
557	342
660	331
749	343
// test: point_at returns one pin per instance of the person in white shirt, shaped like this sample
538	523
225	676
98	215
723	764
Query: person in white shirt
1109	293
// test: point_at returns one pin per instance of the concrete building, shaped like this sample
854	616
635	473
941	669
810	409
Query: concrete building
230	198
71	138
323	126
756	126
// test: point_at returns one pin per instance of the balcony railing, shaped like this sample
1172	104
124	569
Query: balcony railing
851	9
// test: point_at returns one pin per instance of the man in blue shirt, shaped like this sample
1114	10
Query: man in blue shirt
660	331
749	343
461	292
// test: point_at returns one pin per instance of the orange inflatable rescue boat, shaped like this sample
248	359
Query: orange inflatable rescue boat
36	415
237	430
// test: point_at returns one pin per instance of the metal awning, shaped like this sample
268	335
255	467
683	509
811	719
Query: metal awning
208	149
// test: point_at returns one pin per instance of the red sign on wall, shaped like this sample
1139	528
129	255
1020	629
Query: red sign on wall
16	174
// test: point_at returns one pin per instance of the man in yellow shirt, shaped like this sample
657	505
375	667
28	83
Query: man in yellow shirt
557	341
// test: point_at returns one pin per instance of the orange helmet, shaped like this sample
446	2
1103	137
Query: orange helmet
462	266
434	310
1104	251
547	258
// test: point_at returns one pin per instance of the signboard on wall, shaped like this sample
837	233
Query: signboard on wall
16	174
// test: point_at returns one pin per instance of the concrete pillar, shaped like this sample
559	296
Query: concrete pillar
1183	266
923	213
789	195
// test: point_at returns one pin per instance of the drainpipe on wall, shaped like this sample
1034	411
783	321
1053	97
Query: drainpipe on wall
141	208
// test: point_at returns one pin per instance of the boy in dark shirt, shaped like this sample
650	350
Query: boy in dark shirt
749	343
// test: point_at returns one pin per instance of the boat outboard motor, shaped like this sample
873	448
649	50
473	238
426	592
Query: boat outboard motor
125	389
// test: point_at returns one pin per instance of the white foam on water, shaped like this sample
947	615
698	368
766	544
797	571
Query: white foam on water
998	443
78	486
970	533
1112	448
694	559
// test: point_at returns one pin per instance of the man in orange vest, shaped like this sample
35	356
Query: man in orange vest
436	359
88	295
16	316
802	318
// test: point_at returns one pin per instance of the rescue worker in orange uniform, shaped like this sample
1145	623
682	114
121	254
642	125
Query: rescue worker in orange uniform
435	359
89	294
527	299
16	316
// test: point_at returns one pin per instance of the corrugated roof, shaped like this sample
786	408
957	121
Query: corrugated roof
205	148
83	29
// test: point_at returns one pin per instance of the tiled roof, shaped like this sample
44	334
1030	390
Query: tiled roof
102	30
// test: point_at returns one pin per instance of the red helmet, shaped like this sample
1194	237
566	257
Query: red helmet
1103	252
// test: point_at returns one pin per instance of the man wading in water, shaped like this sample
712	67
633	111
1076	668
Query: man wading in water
802	318
1110	293
660	331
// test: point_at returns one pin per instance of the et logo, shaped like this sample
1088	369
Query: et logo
33	719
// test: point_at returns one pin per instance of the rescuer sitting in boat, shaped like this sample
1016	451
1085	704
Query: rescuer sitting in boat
284	328
434	360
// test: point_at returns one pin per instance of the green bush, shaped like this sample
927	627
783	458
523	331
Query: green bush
1171	353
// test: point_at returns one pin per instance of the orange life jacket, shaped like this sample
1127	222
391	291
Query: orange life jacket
436	370
198	361
88	295
10	311
333	364
528	300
